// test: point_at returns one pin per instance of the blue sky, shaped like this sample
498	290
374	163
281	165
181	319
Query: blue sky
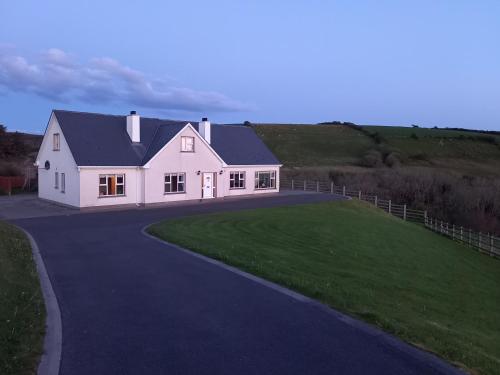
433	63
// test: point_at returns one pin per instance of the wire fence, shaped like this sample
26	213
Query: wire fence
483	242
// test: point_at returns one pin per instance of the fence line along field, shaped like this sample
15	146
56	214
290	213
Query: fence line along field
483	242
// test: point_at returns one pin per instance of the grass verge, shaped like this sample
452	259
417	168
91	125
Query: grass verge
422	287
22	312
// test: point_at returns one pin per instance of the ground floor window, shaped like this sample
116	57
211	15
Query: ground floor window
63	182
56	180
175	183
111	185
237	180
265	180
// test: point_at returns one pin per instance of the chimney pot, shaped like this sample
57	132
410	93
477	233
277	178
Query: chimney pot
133	112
204	119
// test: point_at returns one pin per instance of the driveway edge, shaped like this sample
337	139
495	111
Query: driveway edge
432	360
52	343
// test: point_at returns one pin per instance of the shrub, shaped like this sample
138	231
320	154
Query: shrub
392	160
371	159
9	169
413	136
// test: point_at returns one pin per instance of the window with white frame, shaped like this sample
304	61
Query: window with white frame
237	180
265	180
175	183
56	144
63	182
56	180
187	144
111	185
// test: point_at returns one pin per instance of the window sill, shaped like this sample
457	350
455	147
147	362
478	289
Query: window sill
237	188
269	188
188	152
175	193
111	196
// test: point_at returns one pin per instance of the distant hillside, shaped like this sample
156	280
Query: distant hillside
17	151
382	146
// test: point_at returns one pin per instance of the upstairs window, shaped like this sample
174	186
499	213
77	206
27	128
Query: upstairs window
56	142
237	180
187	144
175	183
265	180
111	185
56	180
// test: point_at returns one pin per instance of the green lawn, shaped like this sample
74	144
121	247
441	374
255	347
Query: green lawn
425	288
22	312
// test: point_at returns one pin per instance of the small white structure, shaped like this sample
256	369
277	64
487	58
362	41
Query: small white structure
89	160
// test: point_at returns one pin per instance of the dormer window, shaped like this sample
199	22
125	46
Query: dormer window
187	144
56	142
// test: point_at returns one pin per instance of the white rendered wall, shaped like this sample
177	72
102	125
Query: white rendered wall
89	187
171	160
249	179
60	161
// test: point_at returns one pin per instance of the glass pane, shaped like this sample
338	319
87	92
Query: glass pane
111	185
119	179
119	189
181	177
102	180
174	183
167	178
181	186
231	183
168	188
102	190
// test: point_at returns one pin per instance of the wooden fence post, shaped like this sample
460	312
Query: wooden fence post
462	234
470	237
447	229
9	186
425	217
376	201
441	226
305	185
453	231
491	245
292	184
359	195
331	187
404	212
343	190
479	240
390	206
317	186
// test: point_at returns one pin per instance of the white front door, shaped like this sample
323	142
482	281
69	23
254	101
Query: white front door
208	185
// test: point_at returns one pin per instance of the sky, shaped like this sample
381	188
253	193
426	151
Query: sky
425	62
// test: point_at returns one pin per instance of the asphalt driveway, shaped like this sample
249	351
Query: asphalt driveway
133	305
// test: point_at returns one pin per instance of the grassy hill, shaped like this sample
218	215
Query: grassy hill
409	281
340	145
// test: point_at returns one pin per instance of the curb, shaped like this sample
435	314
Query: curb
430	359
52	343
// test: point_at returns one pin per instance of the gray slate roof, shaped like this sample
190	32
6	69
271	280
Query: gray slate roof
102	140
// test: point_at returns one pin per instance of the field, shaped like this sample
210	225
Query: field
22	312
422	287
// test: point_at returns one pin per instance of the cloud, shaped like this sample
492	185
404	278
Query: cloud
58	76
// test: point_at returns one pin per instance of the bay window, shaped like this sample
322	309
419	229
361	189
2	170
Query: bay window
265	180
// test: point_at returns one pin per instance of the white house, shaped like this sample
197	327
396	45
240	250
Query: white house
89	159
